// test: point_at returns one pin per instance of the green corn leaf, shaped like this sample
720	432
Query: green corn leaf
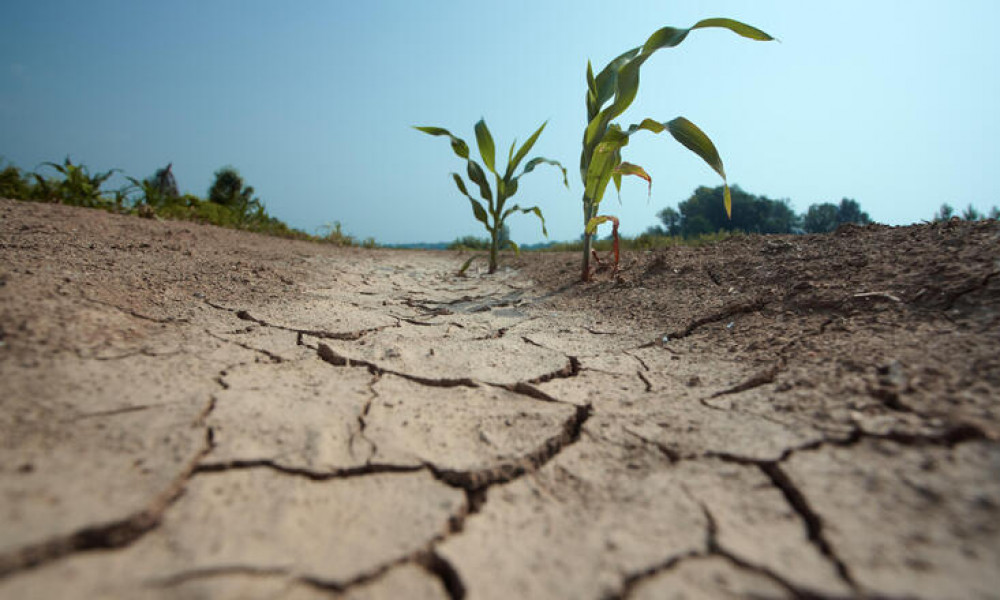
460	184
477	207
485	142
524	149
534	162
695	140
513	244
648	125
477	176
620	78
533	209
606	79
480	212
458	145
465	265
511	187
735	26
510	155
666	37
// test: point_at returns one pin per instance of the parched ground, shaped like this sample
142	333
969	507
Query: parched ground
191	412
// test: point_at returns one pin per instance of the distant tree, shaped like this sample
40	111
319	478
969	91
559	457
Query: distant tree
850	211
820	218
826	217
229	190
703	212
945	213
971	214
671	220
994	213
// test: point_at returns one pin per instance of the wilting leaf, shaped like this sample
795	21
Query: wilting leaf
458	145
627	168
531	164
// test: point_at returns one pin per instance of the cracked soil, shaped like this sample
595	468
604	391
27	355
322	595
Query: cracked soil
191	412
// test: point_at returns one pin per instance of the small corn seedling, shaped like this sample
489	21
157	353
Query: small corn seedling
495	211
618	82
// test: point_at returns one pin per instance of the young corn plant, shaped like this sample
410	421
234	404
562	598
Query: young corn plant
495	211
617	84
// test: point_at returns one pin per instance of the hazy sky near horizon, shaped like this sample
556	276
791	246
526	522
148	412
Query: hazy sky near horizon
892	103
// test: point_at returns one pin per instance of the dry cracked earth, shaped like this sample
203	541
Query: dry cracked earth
189	412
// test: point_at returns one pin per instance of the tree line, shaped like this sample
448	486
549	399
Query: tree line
703	213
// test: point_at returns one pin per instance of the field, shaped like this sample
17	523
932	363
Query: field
190	411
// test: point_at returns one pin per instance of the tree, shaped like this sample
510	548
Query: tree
671	220
821	218
704	212
850	211
994	213
229	190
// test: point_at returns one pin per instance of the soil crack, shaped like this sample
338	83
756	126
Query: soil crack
725	313
813	523
476	480
329	355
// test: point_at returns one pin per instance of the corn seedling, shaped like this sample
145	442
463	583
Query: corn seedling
495	211
618	83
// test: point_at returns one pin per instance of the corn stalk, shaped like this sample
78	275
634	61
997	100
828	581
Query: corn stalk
618	83
495	211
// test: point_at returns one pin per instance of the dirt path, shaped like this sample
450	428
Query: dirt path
189	412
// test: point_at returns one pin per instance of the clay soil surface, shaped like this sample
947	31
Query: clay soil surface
192	412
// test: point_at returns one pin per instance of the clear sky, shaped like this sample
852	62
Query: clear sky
892	103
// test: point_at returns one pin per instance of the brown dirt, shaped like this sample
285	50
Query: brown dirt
907	315
188	411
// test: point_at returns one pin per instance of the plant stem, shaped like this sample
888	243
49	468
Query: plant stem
587	215
493	249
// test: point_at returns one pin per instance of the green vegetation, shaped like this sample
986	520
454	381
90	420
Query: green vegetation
230	203
827	217
946	213
618	83
703	213
77	185
495	212
650	240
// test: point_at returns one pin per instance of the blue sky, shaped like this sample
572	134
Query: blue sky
891	103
